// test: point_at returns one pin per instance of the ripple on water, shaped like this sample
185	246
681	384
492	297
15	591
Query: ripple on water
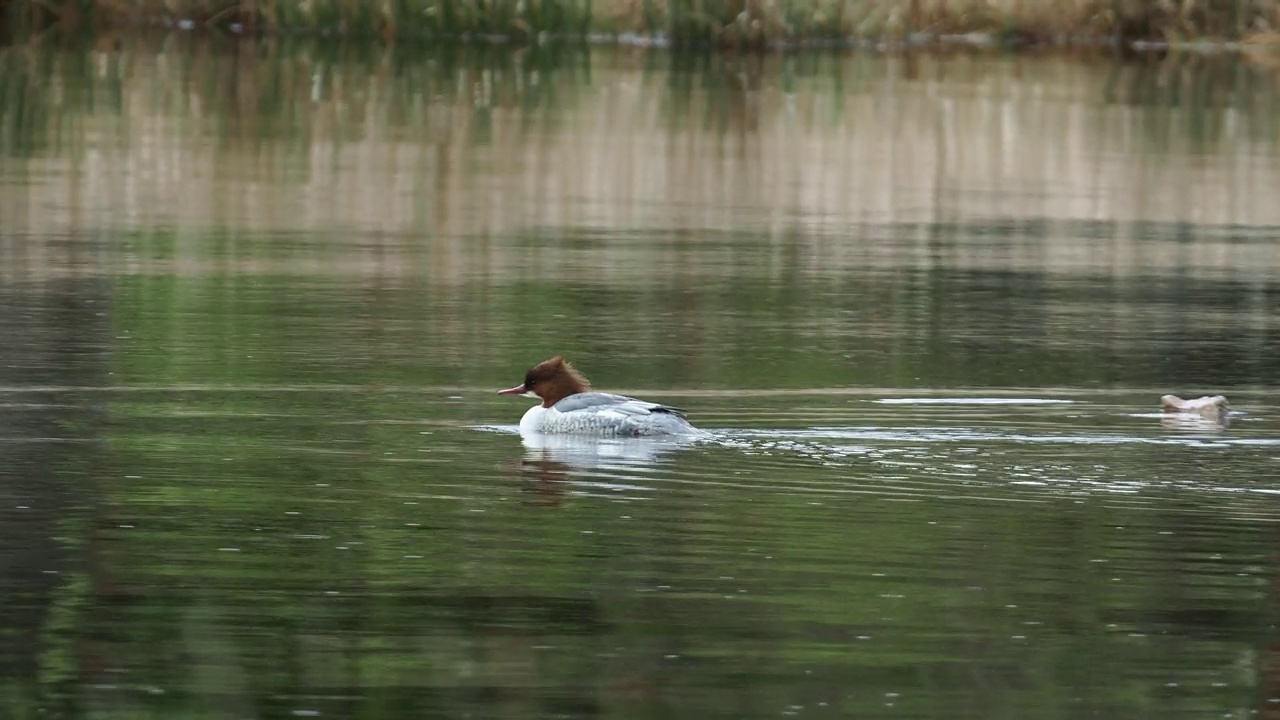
1067	449
972	401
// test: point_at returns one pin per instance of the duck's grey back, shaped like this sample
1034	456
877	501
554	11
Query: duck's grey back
608	413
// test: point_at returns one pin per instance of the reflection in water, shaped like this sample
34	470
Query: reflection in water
1195	422
944	222
596	465
250	296
632	454
54	334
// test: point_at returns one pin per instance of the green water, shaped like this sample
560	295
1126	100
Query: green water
255	303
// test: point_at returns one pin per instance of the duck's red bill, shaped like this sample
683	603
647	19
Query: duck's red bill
517	390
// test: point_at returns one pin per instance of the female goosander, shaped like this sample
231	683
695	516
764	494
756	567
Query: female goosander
569	407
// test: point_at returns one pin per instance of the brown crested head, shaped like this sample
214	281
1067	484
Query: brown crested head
553	380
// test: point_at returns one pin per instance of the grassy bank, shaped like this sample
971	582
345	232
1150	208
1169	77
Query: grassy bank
730	23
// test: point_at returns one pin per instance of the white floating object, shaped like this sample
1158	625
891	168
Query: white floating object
1209	405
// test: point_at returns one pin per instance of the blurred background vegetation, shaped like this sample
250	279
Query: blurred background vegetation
733	23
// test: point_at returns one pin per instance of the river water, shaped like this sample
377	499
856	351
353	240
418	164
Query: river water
255	302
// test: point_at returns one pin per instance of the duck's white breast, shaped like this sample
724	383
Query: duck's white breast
532	420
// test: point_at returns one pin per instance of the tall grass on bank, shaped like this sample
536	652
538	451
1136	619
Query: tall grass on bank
682	22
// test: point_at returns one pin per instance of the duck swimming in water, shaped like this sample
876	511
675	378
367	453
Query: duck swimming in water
570	407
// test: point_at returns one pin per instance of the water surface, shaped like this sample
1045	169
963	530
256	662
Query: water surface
255	302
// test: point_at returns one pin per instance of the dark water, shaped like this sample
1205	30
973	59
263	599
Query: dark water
254	304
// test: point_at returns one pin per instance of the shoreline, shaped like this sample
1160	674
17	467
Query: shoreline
922	41
883	26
